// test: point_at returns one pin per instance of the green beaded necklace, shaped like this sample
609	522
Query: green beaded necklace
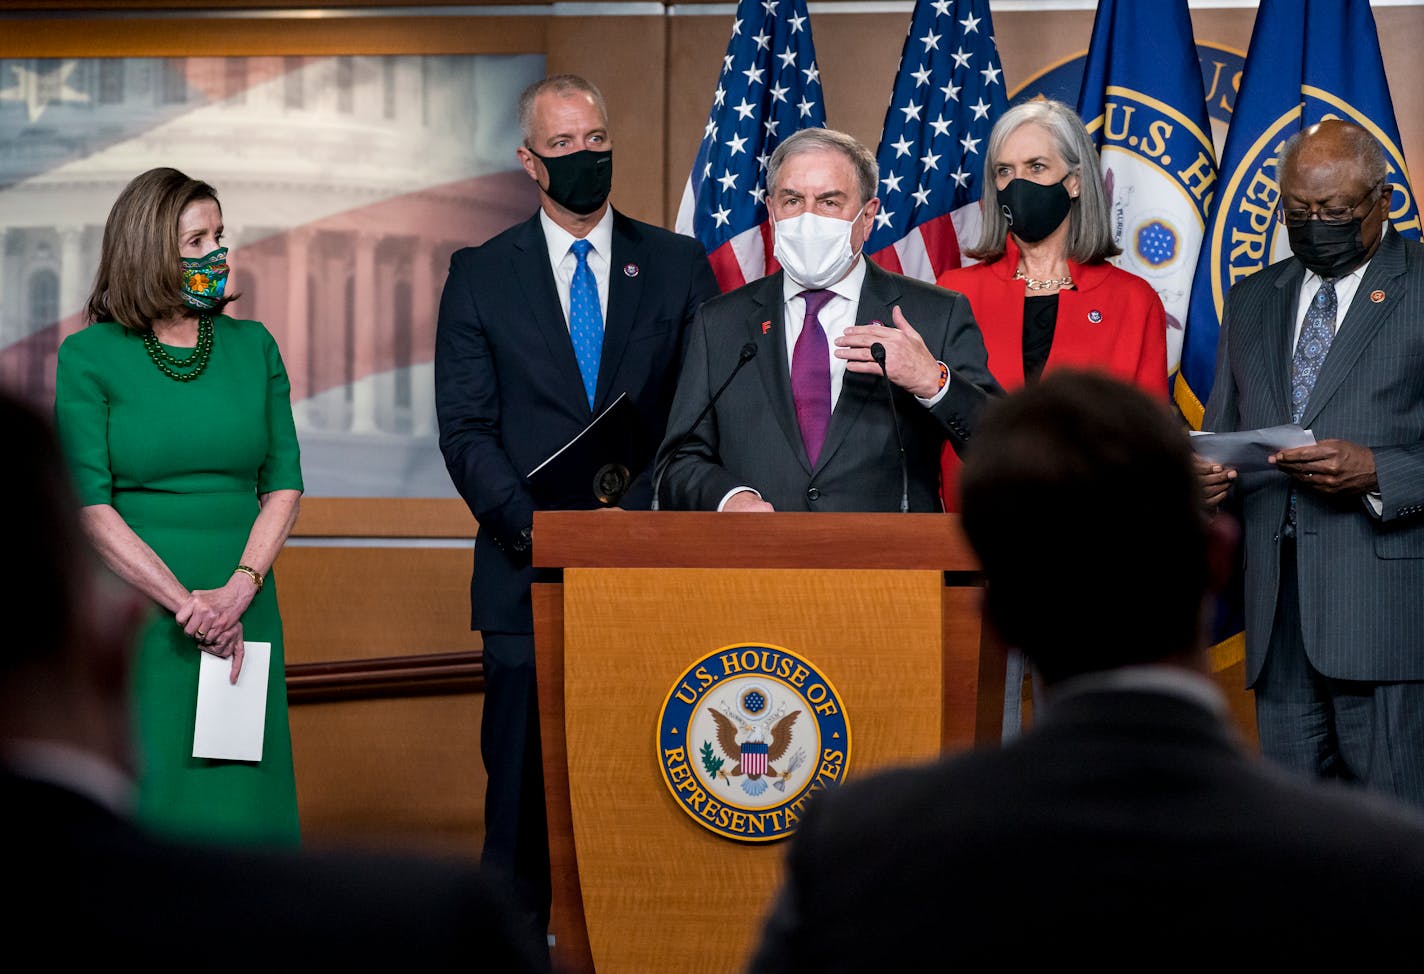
182	369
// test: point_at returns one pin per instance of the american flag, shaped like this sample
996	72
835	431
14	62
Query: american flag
769	87
949	91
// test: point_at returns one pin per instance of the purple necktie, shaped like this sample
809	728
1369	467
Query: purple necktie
811	375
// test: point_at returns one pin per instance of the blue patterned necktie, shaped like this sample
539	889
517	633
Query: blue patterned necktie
1316	334
585	319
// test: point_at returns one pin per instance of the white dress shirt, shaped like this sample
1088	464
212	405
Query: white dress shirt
564	263
1345	288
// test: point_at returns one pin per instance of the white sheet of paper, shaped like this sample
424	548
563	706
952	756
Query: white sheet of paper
1249	449
231	717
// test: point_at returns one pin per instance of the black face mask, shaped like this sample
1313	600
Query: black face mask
1033	209
1329	249
579	181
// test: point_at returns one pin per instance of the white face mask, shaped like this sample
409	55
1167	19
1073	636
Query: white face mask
815	250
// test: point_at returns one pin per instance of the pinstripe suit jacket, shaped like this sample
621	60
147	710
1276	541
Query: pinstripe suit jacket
752	438
1361	575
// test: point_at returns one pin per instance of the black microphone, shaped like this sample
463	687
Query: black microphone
877	352
749	351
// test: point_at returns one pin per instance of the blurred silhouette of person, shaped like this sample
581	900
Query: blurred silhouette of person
85	882
1128	822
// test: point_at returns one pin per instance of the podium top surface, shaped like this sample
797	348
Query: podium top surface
672	539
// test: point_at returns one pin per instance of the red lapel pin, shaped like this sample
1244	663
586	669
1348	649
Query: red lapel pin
765	327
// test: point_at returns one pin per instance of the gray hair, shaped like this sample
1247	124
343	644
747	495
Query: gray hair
1089	229
819	139
557	84
1362	147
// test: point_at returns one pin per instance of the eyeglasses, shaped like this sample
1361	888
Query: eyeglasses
1327	214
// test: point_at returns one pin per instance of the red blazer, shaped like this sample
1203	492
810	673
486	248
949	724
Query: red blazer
1128	339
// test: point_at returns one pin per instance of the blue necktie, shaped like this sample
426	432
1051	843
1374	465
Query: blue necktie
585	319
1316	334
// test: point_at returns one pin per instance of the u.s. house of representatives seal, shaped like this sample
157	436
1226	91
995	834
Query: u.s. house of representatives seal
746	735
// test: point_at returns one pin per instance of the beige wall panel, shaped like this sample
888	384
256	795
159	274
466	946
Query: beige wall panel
363	603
629	633
391	773
627	58
384	517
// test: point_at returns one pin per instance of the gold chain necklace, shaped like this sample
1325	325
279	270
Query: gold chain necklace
182	369
1051	284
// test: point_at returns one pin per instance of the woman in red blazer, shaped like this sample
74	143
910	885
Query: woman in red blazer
1044	294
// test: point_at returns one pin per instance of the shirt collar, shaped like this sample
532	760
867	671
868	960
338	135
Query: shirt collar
1313	280
73	769
847	287
560	240
1176	681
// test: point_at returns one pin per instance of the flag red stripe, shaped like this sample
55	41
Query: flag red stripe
727	268
941	243
888	259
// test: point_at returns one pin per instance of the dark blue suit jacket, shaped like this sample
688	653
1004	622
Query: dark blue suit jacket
1128	828
507	385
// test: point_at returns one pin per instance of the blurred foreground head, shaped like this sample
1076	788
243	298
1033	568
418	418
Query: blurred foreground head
1082	503
70	625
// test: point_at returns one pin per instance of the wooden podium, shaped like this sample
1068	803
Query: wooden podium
886	606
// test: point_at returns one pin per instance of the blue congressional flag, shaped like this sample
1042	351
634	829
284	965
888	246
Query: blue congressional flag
769	87
1143	102
948	93
1309	60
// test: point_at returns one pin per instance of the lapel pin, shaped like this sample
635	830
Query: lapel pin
630	270
877	323
1376	296
765	327
1095	316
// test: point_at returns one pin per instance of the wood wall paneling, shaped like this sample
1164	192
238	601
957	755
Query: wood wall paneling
392	773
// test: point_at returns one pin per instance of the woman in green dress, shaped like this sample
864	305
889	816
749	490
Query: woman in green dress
177	422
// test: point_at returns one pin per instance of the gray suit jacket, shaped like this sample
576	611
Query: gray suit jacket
751	438
1361	575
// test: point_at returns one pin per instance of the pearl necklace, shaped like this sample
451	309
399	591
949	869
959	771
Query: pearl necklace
1051	284
182	369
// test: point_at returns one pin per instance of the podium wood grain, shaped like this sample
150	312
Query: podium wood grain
661	893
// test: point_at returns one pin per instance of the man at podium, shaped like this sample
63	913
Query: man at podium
851	361
1129	820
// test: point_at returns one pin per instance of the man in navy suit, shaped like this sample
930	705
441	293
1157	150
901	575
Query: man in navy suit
1129	827
1333	339
541	328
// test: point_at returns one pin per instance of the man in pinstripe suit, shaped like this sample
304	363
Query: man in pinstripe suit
1333	339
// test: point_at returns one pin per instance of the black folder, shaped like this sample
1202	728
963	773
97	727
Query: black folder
596	467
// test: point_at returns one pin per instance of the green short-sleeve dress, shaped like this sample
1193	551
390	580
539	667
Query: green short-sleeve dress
183	463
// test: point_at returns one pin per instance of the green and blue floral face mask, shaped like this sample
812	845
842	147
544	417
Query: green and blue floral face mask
205	279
